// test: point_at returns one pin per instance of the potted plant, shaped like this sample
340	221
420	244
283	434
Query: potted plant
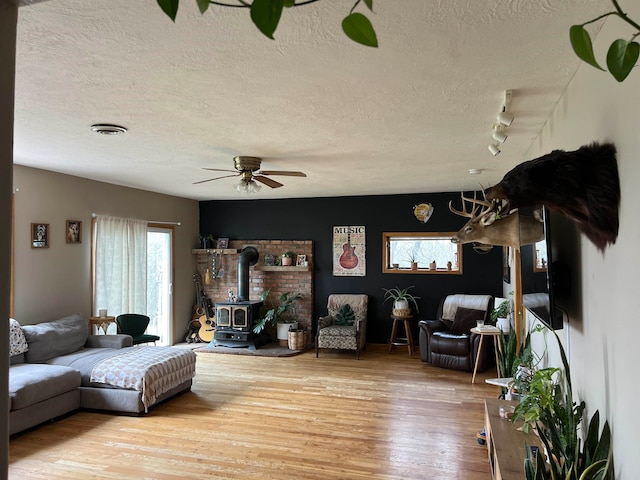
413	260
282	316
286	259
206	241
500	316
548	406
401	299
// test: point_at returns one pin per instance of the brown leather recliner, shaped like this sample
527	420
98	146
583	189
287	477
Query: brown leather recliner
447	341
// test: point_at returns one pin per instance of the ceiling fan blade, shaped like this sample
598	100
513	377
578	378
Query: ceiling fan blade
282	172
267	181
217	178
218	169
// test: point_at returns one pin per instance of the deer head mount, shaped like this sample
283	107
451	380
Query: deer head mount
583	185
493	223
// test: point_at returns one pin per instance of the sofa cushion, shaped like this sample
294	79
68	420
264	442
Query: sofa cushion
17	341
33	383
59	337
465	320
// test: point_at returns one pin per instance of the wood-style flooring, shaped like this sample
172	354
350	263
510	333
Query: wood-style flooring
385	416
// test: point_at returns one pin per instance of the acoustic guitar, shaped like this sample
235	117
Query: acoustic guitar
348	259
207	326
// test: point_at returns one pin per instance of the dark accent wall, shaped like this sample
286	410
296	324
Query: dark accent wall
313	219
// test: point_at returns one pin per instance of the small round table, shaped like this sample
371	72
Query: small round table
101	322
408	340
492	331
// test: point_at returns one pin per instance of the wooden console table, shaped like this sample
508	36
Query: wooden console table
505	443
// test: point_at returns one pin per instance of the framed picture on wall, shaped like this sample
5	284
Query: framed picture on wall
39	235
222	243
74	231
300	260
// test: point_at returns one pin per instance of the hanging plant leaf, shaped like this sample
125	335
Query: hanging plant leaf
582	46
622	57
203	5
170	7
359	29
289	3
265	14
369	4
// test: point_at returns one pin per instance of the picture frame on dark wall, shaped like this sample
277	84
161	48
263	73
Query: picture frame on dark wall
506	269
39	235
222	243
74	231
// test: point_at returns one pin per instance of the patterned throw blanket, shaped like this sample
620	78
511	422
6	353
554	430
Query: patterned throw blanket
150	370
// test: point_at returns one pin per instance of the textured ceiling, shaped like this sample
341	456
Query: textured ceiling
411	116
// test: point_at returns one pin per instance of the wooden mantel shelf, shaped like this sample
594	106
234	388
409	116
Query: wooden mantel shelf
210	251
278	268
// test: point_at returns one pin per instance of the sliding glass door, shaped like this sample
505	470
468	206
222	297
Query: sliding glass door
160	282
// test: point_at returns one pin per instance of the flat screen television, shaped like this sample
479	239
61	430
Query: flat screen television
547	268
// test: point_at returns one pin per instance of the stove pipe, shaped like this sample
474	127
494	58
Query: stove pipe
248	256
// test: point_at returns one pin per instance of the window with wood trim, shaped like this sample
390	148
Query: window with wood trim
421	252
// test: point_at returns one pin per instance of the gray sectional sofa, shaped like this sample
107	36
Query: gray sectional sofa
51	367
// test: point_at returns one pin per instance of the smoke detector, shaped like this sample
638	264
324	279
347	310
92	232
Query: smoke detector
108	129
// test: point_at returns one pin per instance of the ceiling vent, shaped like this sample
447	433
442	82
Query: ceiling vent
108	129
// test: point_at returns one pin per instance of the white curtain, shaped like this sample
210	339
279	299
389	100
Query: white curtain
121	265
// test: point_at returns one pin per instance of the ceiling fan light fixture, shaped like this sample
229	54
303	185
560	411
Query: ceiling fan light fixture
247	187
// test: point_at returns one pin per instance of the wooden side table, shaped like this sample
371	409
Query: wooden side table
491	331
101	322
408	340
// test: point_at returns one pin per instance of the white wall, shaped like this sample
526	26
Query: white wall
56	281
603	343
8	24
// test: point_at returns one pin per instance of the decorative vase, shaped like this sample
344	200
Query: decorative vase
401	308
283	332
414	265
287	261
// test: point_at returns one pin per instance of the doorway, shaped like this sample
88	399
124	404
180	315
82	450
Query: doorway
160	282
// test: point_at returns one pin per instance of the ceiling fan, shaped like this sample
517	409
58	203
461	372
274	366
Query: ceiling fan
248	168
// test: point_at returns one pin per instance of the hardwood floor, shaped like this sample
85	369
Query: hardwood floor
385	416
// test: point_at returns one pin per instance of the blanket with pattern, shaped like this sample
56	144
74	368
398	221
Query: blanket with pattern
150	370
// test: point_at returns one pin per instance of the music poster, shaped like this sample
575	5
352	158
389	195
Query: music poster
349	249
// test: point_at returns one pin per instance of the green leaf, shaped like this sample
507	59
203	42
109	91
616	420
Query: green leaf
369	4
359	29
289	3
622	57
170	7
265	14
203	5
582	46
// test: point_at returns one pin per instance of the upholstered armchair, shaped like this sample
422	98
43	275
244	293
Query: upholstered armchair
448	342
347	337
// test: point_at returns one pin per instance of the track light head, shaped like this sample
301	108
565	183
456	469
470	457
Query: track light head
493	148
505	119
499	136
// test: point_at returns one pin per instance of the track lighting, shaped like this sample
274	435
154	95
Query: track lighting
499	136
505	119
